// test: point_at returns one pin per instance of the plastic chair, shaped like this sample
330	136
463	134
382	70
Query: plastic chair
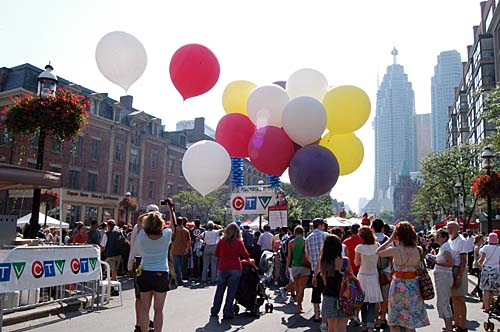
105	285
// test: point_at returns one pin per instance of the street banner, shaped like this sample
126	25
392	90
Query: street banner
255	202
278	216
36	267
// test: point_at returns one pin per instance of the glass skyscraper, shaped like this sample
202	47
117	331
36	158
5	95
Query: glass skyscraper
395	131
447	76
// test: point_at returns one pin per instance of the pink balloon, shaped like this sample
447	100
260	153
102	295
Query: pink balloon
194	70
270	150
233	132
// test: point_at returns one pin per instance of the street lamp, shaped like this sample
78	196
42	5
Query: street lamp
225	211
487	156
458	189
47	85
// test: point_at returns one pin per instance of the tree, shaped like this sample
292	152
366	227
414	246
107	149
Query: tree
307	207
439	173
193	205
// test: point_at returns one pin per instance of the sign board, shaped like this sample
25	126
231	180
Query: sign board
278	216
255	202
36	267
8	227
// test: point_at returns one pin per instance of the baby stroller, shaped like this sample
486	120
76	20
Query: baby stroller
266	266
251	292
494	310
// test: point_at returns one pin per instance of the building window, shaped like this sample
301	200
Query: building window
34	140
116	185
118	152
31	164
133	164
154	159
94	149
182	140
107	213
92	182
55	168
74	179
94	107
180	168
179	188
73	214
77	146
4	136
132	186
151	190
90	214
56	147
170	189
171	166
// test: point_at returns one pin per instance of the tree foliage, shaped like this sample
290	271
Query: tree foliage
439	174
491	113
307	207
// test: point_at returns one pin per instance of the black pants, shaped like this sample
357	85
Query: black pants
316	291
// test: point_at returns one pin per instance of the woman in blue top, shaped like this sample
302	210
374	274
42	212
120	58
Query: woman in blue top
153	280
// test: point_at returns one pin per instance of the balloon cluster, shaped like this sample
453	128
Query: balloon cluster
281	125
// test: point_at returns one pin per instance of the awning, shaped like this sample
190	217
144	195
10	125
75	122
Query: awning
17	177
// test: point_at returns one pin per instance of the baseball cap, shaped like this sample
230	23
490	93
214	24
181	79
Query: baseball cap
317	222
152	208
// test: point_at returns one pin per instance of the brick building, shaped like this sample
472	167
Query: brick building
403	195
121	149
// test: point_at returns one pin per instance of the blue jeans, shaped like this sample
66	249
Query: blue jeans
368	314
229	279
178	268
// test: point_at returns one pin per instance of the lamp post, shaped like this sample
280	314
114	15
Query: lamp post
47	85
260	183
458	188
225	211
486	157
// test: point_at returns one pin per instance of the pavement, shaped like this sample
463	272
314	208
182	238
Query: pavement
187	309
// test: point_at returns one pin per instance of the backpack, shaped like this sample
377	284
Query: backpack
383	262
351	295
122	245
283	254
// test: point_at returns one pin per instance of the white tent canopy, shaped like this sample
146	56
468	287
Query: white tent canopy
335	221
51	222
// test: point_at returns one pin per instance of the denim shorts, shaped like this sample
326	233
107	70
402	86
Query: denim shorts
153	281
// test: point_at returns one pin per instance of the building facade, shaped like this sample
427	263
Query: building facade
479	73
395	133
447	76
403	195
424	148
122	149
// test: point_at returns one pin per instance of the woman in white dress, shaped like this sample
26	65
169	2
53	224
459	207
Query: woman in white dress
489	257
367	259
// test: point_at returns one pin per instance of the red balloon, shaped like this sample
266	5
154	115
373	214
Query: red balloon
194	70
270	150
233	132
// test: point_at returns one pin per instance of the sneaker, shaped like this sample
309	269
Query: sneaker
283	292
323	327
355	321
137	328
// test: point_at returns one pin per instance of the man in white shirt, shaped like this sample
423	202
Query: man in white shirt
266	239
469	239
459	290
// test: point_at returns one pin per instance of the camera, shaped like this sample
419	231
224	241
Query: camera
163	202
167	201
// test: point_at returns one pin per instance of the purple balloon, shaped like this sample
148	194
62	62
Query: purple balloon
281	84
314	170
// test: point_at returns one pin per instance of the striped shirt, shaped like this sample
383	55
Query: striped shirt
314	244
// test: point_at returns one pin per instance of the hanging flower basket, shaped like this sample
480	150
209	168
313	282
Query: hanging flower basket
487	185
51	198
128	204
61	116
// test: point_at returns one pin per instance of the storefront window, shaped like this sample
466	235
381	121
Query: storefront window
90	214
107	213
73	214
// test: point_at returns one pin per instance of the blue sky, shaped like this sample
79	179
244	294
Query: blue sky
260	41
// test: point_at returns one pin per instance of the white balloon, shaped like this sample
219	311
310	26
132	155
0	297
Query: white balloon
206	166
121	58
307	82
304	120
265	105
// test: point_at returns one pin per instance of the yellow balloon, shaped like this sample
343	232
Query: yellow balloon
347	148
234	98
347	109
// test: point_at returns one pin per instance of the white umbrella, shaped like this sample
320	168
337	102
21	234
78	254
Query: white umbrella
51	222
337	222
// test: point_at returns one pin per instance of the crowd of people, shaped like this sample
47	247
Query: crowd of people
385	258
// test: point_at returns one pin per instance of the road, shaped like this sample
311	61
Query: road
187	310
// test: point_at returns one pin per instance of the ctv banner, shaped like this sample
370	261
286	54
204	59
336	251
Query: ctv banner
255	202
36	267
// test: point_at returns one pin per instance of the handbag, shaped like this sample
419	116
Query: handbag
383	279
351	295
424	281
